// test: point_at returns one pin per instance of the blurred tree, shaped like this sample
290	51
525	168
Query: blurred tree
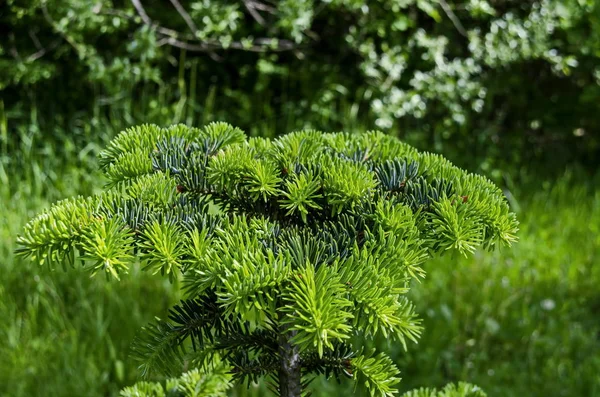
487	71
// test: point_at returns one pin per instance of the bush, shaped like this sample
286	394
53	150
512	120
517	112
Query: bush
474	76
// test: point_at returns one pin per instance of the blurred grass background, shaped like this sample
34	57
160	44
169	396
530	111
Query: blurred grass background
518	322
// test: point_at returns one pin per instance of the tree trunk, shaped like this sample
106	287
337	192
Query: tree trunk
290	374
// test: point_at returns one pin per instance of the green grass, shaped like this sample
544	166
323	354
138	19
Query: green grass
63	333
521	321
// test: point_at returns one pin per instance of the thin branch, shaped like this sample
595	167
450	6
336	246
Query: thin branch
65	37
35	39
141	11
455	21
259	45
257	17
13	49
186	17
43	51
261	6
160	29
180	40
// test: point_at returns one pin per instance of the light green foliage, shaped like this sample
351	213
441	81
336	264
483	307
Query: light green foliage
460	390
296	17
347	184
371	273
206	383
271	261
144	389
307	295
213	380
301	192
49	240
246	277
107	245
377	372
262	180
156	189
216	19
163	247
452	224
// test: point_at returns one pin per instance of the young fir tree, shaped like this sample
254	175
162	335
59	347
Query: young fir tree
288	249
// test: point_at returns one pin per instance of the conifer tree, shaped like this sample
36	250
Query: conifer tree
288	250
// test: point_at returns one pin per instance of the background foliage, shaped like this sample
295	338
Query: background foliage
511	89
449	75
